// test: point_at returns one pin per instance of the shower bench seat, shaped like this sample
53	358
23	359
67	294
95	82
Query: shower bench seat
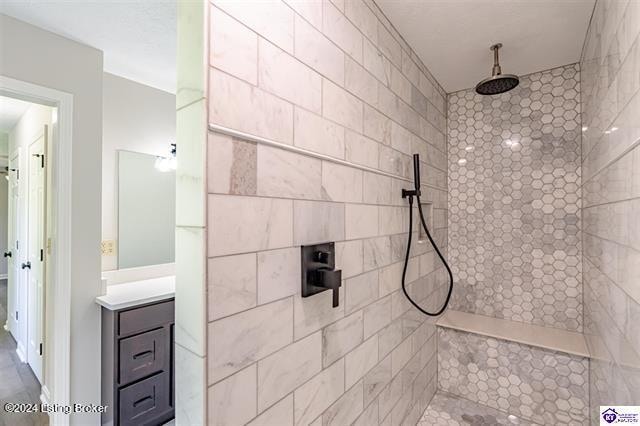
554	339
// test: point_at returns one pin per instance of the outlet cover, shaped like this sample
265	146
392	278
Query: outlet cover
108	247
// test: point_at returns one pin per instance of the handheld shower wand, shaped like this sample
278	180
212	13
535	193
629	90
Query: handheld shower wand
407	193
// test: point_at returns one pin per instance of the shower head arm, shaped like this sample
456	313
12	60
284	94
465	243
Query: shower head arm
496	60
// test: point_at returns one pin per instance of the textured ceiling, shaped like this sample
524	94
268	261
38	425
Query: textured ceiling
138	37
452	37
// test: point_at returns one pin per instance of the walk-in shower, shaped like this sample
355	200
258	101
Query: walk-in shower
410	193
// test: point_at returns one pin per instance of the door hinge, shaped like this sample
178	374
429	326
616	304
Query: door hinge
41	255
17	245
40	349
17	174
41	156
16	315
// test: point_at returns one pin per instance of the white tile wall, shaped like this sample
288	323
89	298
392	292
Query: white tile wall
334	78
610	94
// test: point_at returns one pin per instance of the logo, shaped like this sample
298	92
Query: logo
609	415
629	415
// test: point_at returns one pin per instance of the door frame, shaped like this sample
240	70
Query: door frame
60	229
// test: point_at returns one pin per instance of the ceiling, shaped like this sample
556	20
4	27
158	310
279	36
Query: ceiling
452	37
138	37
10	112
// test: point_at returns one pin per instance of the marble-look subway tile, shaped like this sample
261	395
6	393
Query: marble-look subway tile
376	63
359	82
192	388
359	361
317	222
272	19
376	125
289	175
315	312
349	258
346	409
341	31
239	106
190	184
239	340
362	18
241	224
376	188
318	134
377	316
377	252
233	400
280	414
278	274
361	150
341	107
361	291
341	337
283	75
287	369
361	221
316	395
315	50
234	47
232	284
311	10
341	183
377	379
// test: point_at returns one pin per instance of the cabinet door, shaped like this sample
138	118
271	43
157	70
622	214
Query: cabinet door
143	402
143	355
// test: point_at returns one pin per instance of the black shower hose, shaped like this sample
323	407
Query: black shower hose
406	260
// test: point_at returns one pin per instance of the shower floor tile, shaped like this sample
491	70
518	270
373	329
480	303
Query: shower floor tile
449	410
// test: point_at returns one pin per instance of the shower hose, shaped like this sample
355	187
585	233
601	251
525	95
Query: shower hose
435	247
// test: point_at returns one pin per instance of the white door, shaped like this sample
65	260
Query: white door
13	256
36	253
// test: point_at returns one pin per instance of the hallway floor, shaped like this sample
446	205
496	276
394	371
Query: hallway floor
449	410
17	382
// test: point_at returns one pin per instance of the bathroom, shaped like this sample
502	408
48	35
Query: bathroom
386	213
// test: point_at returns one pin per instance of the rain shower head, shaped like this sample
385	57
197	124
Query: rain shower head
498	82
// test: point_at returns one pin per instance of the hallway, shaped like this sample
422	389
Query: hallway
17	382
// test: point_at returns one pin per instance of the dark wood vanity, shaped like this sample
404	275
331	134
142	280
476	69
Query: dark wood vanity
137	364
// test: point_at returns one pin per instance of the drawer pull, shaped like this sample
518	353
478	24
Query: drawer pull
142	354
141	400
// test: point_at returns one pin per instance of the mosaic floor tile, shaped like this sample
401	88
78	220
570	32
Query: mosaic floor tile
450	410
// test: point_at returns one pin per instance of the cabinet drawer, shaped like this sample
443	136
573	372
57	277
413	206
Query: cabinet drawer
143	354
147	317
143	402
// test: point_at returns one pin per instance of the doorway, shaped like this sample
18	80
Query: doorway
27	129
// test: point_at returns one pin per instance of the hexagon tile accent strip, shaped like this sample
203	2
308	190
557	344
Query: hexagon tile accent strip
514	201
546	387
451	410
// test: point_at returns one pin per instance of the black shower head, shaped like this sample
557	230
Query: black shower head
498	82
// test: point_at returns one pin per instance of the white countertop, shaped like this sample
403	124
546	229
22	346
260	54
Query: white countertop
135	293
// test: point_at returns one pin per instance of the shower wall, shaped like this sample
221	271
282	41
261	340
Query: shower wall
336	80
514	201
611	206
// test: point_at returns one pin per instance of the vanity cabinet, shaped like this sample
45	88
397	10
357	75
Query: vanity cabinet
137	364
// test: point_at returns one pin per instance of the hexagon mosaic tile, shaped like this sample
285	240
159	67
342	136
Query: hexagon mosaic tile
546	387
514	201
449	410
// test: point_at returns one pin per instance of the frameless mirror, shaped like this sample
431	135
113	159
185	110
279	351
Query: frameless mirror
146	210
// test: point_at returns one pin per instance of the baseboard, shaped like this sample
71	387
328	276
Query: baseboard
21	354
45	396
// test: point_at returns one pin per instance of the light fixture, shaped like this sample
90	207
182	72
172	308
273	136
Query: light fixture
167	164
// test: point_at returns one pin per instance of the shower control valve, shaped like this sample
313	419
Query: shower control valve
318	273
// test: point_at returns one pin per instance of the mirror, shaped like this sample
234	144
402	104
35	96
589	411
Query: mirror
146	210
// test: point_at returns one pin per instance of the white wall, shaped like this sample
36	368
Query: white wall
36	56
4	143
136	118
